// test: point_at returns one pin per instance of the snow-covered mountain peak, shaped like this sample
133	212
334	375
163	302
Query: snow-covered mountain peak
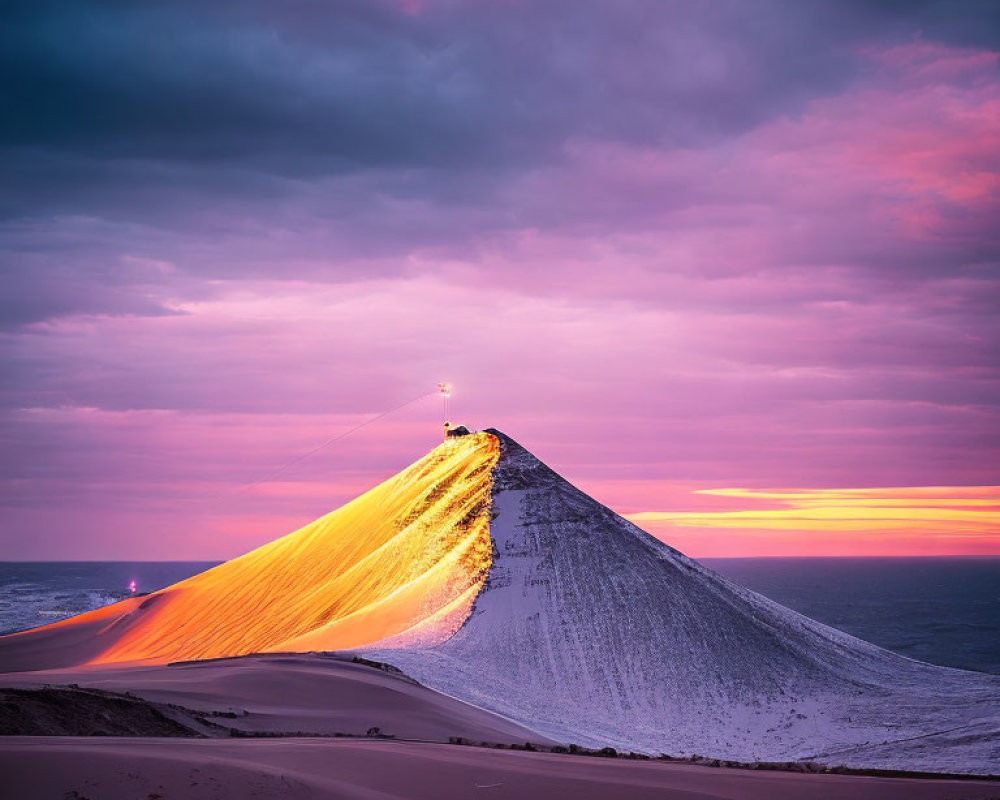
590	630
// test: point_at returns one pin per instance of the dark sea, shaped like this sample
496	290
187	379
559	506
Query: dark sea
945	610
942	610
34	593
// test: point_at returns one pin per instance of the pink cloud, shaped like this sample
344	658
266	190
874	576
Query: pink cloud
802	303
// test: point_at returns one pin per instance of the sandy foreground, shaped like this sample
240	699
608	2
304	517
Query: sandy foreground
314	712
161	769
287	694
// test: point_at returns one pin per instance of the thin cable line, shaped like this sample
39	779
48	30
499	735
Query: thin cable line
317	448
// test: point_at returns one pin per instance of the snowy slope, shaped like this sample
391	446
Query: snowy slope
589	630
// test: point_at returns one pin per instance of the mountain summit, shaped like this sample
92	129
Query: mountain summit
590	630
482	573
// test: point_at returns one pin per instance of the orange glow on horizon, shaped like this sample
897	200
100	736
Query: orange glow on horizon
915	520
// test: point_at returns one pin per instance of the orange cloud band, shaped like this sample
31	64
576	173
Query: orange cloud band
952	510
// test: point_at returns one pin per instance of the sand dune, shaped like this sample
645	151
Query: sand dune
404	560
294	693
124	769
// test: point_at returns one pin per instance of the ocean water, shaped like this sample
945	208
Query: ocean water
34	593
942	610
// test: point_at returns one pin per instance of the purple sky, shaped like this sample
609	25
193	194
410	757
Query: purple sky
669	246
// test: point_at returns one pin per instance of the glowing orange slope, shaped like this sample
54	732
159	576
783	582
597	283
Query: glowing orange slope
404	560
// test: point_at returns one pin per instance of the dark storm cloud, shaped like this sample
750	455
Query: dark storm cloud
308	88
357	130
